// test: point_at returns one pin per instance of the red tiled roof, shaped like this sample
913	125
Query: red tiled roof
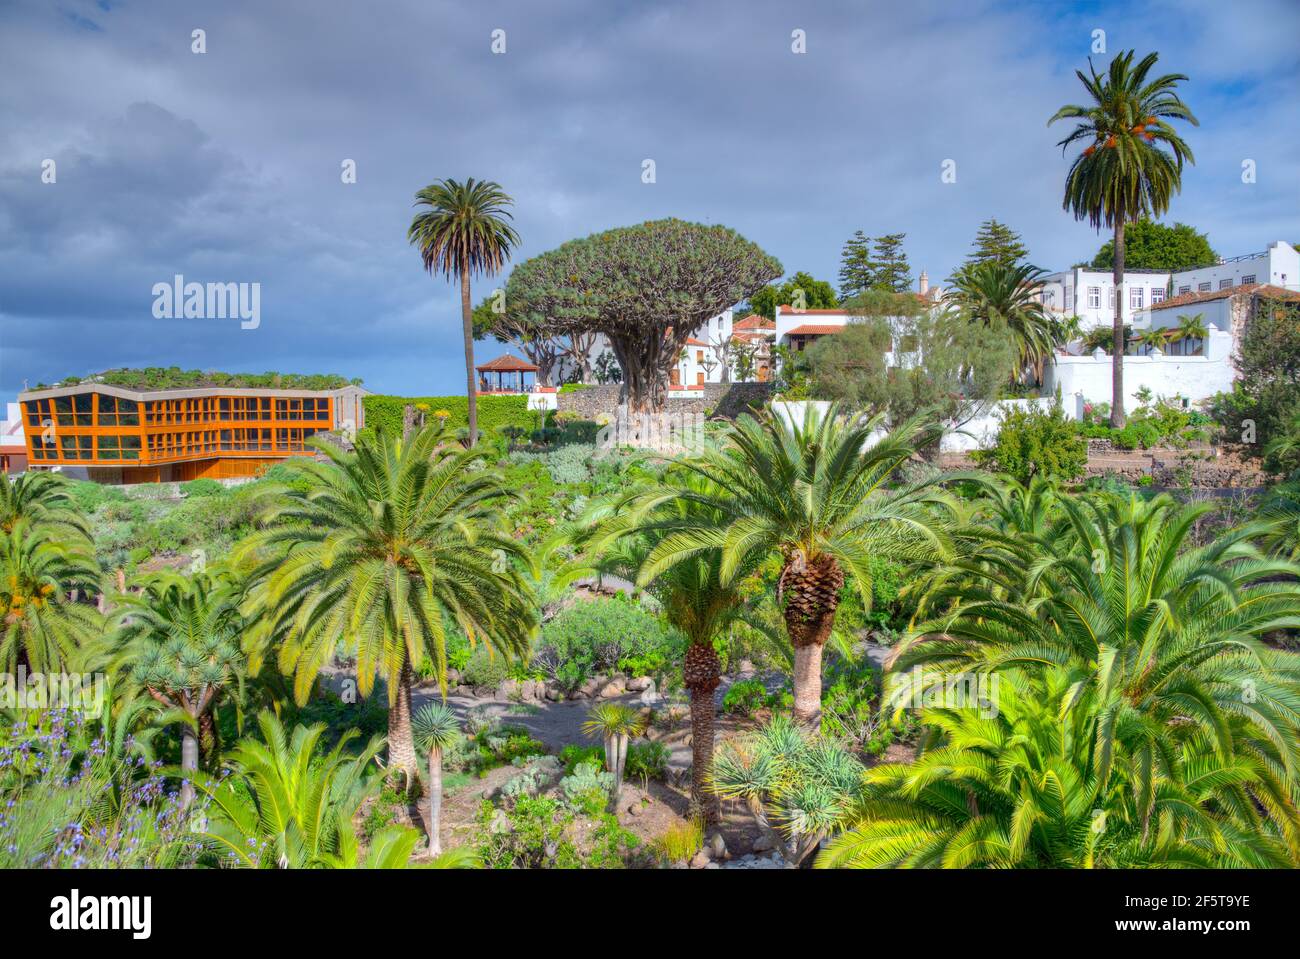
749	336
754	322
506	364
694	342
790	309
1266	290
815	329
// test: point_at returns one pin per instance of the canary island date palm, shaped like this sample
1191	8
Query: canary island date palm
464	232
181	635
616	724
381	545
44	500
41	627
816	493
436	731
617	535
1167	636
994	293
1130	167
1020	786
1193	328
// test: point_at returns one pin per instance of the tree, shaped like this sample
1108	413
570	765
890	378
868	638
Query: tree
615	723
994	243
1149	245
996	292
44	500
857	269
1124	174
41	628
1192	328
893	274
181	635
436	731
647	288
373	550
1265	397
800	291
812	492
543	348
464	232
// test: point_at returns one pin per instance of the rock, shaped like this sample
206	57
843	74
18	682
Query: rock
700	859
717	846
764	843
639	684
634	809
650	695
615	687
507	692
713	865
592	686
453	677
530	690
577	694
553	693
745	667
463	690
500	822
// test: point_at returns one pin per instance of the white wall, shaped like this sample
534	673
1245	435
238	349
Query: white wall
1278	265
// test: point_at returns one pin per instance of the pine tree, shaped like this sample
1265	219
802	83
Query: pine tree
893	274
857	270
997	243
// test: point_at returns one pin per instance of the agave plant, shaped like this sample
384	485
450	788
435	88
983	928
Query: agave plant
436	731
616	724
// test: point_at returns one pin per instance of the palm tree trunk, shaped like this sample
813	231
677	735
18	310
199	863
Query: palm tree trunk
401	742
704	802
808	685
471	388
1117	341
189	763
435	802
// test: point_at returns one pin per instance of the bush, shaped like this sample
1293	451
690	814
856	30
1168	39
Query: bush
587	789
574	755
535	837
1033	442
202	487
745	697
603	635
646	760
494	412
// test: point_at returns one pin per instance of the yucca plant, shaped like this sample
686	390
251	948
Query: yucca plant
436	731
616	724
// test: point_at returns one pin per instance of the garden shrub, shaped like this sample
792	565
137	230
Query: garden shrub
601	636
574	754
587	789
535	837
744	698
1034	442
646	760
385	412
202	487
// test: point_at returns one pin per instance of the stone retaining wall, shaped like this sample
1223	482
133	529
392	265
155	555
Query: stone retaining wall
727	400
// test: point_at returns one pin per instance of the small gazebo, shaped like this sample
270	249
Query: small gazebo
510	372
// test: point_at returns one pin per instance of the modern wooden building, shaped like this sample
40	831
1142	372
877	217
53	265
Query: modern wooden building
120	435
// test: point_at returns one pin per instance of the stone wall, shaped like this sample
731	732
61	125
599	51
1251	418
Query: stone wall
1219	468
727	400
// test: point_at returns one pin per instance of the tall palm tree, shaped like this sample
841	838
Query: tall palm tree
181	634
996	292
41	498
384	542
436	731
41	627
695	601
1124	173
464	232
816	493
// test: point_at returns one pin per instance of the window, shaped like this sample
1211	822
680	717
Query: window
1184	289
1049	298
1135	298
1203	287
1225	283
1094	297
1068	290
1250	278
1157	295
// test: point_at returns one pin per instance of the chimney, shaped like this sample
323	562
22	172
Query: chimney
924	283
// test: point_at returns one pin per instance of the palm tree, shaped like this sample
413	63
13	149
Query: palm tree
436	731
615	723
1124	174
41	628
181	634
1022	786
815	493
1193	328
385	542
287	806
464	232
1152	339
44	500
694	599
995	292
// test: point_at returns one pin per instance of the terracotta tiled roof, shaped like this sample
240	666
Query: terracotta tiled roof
694	342
506	364
815	329
749	336
1266	290
754	322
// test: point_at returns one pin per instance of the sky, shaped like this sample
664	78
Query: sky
227	165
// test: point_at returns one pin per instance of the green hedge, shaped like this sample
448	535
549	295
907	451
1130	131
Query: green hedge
494	412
